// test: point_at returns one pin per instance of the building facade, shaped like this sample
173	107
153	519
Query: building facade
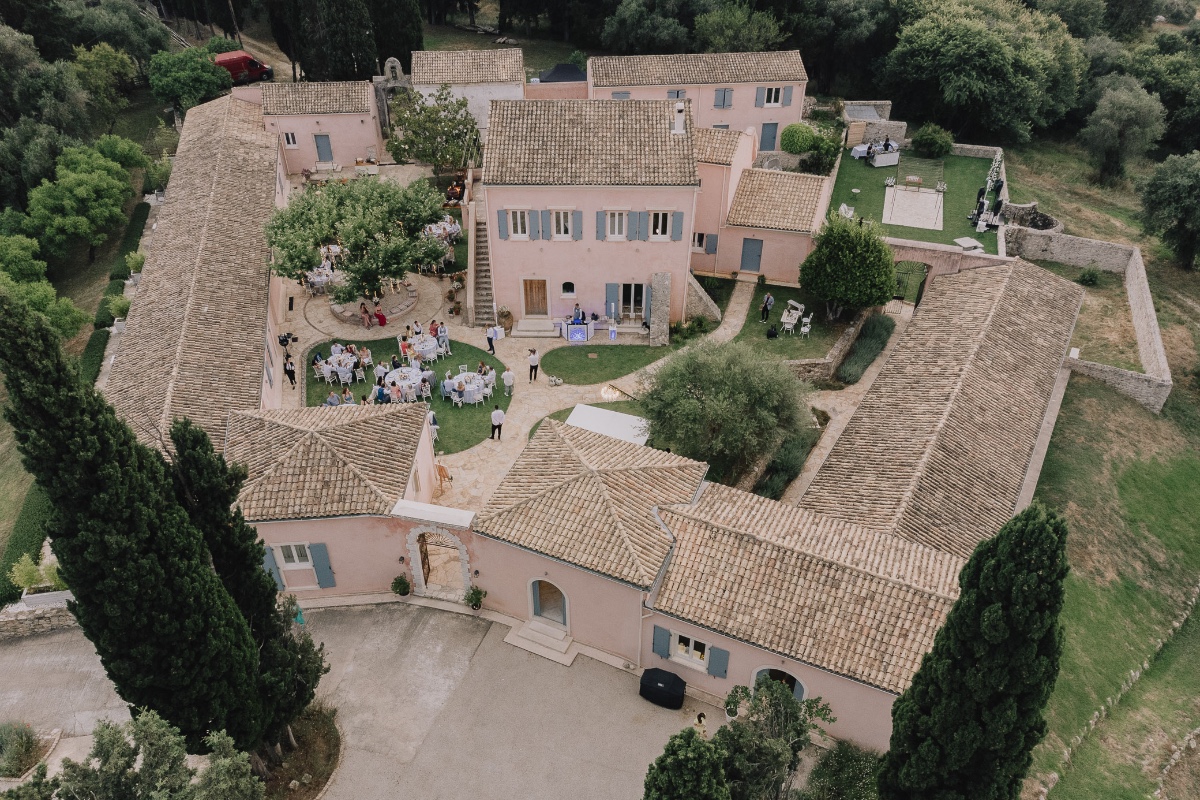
320	124
479	76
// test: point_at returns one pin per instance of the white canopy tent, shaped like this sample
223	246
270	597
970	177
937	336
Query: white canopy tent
625	427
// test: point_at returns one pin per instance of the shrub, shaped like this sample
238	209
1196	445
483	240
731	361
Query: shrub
104	318
118	305
134	262
699	326
844	773
93	355
29	531
872	338
18	749
797	138
401	586
786	464
1178	12
1089	277
133	231
822	156
157	174
26	573
120	272
932	141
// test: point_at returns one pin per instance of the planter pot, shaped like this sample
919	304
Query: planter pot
506	322
43	599
119	325
475	607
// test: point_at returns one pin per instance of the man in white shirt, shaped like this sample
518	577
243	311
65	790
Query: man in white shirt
381	370
336	349
497	423
508	378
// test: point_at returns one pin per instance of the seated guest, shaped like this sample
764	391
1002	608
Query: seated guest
368	400
432	417
347	397
394	391
427	375
336	349
327	369
352	350
332	400
381	369
426	385
396	361
318	359
460	390
481	368
404	347
380	319
772	333
381	395
365	354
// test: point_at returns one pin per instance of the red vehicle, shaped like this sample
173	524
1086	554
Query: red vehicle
244	67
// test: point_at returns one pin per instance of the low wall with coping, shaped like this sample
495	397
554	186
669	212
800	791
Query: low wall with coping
29	622
943	259
975	150
823	369
698	303
1150	387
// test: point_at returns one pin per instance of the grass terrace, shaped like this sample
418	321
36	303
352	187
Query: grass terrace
1104	332
460	428
964	178
788	346
598	362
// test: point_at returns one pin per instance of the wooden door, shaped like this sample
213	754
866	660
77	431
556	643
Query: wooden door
535	299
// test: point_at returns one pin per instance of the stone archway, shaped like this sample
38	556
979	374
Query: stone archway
440	564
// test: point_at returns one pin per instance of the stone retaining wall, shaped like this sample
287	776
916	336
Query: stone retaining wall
660	309
33	621
882	107
975	150
885	128
1073	250
699	304
1019	214
823	369
1148	390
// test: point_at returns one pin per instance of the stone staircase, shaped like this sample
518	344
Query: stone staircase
545	641
485	314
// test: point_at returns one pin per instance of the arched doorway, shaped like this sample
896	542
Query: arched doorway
441	565
786	678
549	603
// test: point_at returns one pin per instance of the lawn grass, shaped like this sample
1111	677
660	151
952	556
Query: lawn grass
1104	332
575	365
719	289
964	177
459	428
815	345
140	123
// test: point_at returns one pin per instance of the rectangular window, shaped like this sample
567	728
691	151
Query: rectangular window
721	127
660	224
562	224
616	224
295	555
676	94
774	96
518	224
689	650
620	95
289	141
697	241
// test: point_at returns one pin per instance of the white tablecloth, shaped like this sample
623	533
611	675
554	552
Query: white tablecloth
425	345
473	384
860	150
405	376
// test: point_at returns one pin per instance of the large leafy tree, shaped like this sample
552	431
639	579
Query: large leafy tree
1126	19
63	316
51	93
1171	205
763	743
850	266
85	201
18	259
379	223
28	153
169	635
826	30
1169	66
398	30
722	405
688	769
289	665
437	130
966	726
1127	121
104	73
187	78
343	44
653	26
735	28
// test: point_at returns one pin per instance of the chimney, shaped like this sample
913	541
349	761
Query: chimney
678	126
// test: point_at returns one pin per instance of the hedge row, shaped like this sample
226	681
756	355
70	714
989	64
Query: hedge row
130	241
93	355
786	464
28	533
104	318
873	337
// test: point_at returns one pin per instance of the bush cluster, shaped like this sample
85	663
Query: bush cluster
1178	12
876	330
797	138
932	141
1089	277
104	317
696	326
786	463
844	773
93	355
18	749
29	531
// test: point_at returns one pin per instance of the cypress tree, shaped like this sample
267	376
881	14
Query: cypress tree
968	723
207	487
398	30
168	634
343	44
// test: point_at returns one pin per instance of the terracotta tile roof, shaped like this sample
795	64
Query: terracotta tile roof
324	462
715	145
317	97
783	66
820	590
587	499
193	342
588	143
781	201
938	449
435	67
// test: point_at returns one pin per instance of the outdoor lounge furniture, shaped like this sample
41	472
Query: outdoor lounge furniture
663	688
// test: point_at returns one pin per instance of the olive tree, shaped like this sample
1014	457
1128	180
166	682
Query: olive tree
1127	121
1171	205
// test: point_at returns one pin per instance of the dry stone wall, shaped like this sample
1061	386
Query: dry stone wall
660	309
28	622
975	150
888	128
823	369
699	304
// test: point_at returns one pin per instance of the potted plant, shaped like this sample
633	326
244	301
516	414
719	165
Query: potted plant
118	306
474	597
401	586
41	585
456	309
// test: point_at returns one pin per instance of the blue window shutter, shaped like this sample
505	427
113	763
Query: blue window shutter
729	98
787	95
577	225
502	223
648	306
760	97
547	231
662	640
532	217
718	98
631	226
321	566
601	230
718	662
620	95
676	226
710	243
644	225
271	566
612	298
798	691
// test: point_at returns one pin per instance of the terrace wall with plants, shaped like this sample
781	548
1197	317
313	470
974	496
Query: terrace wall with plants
698	303
822	369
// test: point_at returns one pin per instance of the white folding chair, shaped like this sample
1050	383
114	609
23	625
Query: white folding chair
804	329
344	377
462	368
426	392
367	362
487	390
330	377
360	374
789	327
435	429
318	373
457	399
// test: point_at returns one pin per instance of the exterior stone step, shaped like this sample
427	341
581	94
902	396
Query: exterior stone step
520	637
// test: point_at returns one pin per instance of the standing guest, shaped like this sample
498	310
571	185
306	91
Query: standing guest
509	379
408	331
289	369
534	360
491	341
416	327
887	144
768	304
380	319
404	347
577	314
365	315
332	400
497	423
443	335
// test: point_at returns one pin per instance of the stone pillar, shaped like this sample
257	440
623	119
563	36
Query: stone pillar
660	309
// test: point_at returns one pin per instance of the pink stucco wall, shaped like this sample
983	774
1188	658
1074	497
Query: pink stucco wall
424	478
744	114
364	552
601	612
588	263
717	185
781	254
274	381
562	90
864	713
351	136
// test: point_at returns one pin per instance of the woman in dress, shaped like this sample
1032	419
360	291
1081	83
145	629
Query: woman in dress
365	314
379	317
